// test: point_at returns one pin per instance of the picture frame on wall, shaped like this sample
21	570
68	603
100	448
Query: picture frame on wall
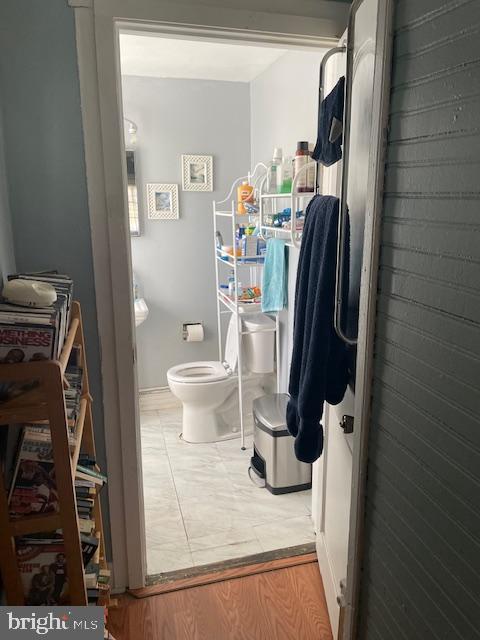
197	173
162	201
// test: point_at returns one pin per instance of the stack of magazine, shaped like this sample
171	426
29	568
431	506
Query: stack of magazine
34	333
41	558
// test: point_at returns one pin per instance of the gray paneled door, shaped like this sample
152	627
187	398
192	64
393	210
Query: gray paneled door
421	567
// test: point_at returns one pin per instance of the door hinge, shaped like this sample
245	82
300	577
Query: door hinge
341	601
346	423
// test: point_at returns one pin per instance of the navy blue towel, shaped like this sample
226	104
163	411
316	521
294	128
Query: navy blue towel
319	367
328	148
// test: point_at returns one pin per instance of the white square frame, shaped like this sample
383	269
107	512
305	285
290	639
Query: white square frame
187	160
172	189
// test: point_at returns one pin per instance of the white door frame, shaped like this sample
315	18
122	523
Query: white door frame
97	23
367	314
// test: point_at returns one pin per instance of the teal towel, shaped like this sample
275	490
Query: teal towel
274	284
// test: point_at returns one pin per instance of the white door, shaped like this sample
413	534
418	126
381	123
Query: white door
333	472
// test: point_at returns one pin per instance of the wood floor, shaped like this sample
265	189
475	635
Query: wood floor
283	604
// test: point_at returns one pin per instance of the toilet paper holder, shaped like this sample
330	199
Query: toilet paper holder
185	326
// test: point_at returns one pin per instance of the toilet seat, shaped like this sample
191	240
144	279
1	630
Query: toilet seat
198	372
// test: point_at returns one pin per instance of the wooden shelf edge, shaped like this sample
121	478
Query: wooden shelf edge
36	524
79	434
68	344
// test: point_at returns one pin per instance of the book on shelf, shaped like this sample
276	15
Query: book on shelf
36	333
89	474
33	489
43	568
29	334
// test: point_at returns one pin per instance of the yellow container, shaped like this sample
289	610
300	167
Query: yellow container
244	194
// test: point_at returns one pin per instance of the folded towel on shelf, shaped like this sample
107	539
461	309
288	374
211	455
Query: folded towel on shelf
319	367
274	284
328	148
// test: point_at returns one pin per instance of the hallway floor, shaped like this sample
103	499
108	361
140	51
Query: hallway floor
201	507
282	604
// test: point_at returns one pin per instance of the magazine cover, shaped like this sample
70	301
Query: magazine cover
43	571
33	487
24	343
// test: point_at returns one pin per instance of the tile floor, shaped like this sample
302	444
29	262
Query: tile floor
200	504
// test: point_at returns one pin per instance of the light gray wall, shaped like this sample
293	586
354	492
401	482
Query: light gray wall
7	258
284	108
45	159
174	260
422	544
284	104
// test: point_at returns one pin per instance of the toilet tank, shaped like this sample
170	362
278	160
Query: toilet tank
259	345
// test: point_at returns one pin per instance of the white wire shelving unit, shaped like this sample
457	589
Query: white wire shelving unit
250	266
268	202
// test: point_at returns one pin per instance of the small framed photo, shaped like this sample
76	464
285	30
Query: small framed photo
162	201
197	173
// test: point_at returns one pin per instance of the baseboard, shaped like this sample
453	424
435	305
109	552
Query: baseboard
147	390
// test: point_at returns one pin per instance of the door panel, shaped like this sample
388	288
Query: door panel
333	472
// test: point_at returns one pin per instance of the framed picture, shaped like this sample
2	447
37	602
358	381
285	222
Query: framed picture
197	173
162	201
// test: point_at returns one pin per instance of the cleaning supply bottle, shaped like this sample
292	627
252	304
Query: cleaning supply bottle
287	175
274	171
301	160
244	194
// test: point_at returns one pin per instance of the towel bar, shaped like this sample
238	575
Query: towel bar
344	181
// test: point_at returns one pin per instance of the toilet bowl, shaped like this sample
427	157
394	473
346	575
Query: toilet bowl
202	387
208	392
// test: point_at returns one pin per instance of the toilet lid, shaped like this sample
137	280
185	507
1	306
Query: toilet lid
197	372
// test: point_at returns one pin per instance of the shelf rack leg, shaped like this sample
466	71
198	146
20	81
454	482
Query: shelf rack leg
53	384
239	335
217	284
8	558
277	348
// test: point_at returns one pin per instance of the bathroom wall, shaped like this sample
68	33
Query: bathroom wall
284	107
173	260
44	157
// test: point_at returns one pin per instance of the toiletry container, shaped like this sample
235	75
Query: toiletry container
274	171
287	176
259	345
302	158
244	194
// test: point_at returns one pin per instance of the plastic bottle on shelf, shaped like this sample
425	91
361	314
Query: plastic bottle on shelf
302	158
274	171
287	175
231	284
244	194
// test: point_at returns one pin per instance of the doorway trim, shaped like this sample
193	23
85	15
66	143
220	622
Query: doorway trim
367	317
97	25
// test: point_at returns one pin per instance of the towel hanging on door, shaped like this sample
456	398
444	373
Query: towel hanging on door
319	367
328	148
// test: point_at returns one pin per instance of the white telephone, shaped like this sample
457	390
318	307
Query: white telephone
29	293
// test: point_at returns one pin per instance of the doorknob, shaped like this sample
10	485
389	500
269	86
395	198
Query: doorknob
346	423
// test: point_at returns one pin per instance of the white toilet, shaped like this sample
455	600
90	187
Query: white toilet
208	389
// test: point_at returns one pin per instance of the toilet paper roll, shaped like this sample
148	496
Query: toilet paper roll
194	333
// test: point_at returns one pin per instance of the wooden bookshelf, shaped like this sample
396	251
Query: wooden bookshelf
46	402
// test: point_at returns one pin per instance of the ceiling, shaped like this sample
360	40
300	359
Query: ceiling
147	55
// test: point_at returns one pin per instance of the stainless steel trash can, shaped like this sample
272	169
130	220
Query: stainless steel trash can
273	455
